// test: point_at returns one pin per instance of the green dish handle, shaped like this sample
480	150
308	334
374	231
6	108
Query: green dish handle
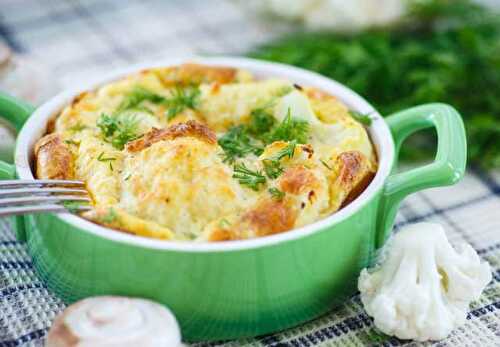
447	168
16	112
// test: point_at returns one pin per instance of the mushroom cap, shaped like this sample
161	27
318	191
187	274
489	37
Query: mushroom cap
112	321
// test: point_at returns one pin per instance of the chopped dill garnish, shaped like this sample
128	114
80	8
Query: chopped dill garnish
272	168
326	165
182	98
363	118
79	126
107	124
236	144
276	193
118	129
289	129
136	96
103	159
261	121
288	151
109	160
127	177
247	177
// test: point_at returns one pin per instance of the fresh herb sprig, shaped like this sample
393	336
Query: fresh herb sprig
104	159
288	151
119	129
236	143
137	96
261	118
363	118
276	193
444	51
262	130
272	166
182	98
290	129
249	178
261	122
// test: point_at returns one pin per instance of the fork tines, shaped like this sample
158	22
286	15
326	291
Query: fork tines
35	196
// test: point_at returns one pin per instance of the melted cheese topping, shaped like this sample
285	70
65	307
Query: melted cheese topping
174	181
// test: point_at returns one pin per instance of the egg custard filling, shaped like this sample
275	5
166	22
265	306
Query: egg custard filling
203	153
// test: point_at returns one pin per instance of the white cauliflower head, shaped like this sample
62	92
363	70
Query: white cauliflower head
334	14
423	289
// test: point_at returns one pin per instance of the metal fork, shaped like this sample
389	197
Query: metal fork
36	196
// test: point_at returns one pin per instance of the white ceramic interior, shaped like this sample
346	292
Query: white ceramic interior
380	134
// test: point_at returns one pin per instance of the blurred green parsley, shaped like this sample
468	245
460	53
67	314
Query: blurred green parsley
443	51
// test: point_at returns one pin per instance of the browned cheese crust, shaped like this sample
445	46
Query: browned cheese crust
354	175
53	158
271	217
190	128
268	217
296	179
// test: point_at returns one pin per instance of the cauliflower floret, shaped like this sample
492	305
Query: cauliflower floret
423	289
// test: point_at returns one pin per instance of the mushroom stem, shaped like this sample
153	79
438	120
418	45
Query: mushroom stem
111	321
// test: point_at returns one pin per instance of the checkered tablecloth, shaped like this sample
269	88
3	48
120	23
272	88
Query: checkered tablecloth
79	39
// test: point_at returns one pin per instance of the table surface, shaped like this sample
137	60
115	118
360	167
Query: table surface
81	39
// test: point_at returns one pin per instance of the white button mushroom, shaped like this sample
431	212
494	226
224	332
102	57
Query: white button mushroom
423	289
110	321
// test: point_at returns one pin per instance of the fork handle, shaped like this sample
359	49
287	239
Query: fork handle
16	112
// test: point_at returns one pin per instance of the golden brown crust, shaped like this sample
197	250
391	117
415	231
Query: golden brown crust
53	158
196	74
51	125
78	98
190	128
354	175
271	216
351	164
295	179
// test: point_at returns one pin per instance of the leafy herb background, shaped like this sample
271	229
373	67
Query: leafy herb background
442	51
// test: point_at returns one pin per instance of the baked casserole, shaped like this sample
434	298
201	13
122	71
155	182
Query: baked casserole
206	153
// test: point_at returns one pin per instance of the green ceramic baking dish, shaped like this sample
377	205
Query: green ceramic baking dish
235	289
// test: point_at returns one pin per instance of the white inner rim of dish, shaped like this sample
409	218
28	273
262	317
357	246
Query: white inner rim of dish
379	132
